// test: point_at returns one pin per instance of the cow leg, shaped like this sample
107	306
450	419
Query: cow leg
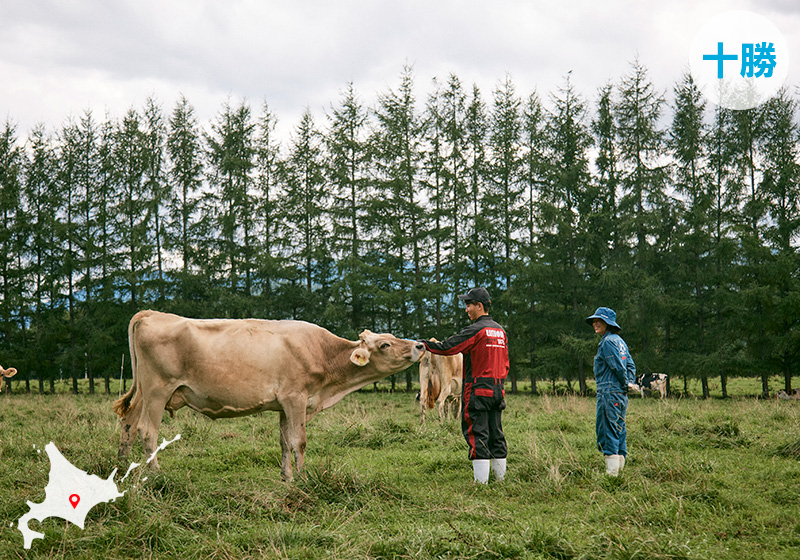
293	439
423	397
442	406
149	423
444	397
286	457
129	428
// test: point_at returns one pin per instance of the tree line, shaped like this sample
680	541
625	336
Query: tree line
682	217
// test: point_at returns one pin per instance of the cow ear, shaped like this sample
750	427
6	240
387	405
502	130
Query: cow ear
360	356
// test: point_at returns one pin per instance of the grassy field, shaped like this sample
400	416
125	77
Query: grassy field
715	479
737	387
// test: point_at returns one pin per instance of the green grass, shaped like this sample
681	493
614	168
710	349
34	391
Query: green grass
715	479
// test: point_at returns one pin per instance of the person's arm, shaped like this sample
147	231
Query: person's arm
630	367
614	360
455	344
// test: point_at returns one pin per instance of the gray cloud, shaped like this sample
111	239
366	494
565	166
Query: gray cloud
61	57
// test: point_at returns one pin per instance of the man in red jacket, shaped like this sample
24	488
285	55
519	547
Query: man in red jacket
485	350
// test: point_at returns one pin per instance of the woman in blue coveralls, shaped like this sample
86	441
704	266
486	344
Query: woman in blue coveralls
614	370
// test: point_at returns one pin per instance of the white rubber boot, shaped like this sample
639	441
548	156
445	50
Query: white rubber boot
612	465
499	468
621	462
480	469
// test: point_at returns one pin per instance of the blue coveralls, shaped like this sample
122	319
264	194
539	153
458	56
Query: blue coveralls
613	370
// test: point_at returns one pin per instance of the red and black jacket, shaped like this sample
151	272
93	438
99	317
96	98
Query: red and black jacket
485	348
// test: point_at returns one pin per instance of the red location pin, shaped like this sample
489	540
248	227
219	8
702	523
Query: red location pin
74	499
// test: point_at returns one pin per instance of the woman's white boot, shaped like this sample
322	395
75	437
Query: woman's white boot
612	465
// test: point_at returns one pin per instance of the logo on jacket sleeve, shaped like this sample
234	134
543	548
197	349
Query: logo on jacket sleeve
623	350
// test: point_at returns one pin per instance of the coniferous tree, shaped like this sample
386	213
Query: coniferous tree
132	207
397	201
642	206
41	201
348	170
530	282
563	201
11	162
231	155
87	191
725	194
185	172
503	216
269	179
689	280
157	187
476	126
641	144
111	318
607	247
305	201
780	185
502	212
752	286
457	151
69	160
436	183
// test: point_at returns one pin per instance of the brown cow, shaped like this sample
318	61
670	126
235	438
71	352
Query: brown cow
225	368
440	382
788	396
10	372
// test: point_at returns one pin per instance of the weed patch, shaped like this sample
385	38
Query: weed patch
790	450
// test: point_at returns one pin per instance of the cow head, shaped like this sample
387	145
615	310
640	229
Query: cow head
385	352
10	372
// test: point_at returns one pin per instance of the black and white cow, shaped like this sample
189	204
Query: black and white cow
653	382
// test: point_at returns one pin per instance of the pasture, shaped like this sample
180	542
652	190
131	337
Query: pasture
715	479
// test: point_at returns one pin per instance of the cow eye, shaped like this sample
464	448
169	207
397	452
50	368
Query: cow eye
385	345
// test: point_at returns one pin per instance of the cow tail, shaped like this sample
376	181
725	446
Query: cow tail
123	404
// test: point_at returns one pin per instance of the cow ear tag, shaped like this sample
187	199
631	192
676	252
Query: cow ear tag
359	357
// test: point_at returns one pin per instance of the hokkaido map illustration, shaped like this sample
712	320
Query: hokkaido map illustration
71	492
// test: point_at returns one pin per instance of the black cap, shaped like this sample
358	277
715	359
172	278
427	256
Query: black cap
477	294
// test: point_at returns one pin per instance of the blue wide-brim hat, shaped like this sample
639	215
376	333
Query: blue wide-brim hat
605	314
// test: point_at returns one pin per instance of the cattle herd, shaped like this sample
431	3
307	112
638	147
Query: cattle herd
236	367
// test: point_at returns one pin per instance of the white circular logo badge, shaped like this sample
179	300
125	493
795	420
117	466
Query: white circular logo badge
739	60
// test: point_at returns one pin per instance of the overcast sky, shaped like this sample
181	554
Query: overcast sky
59	58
